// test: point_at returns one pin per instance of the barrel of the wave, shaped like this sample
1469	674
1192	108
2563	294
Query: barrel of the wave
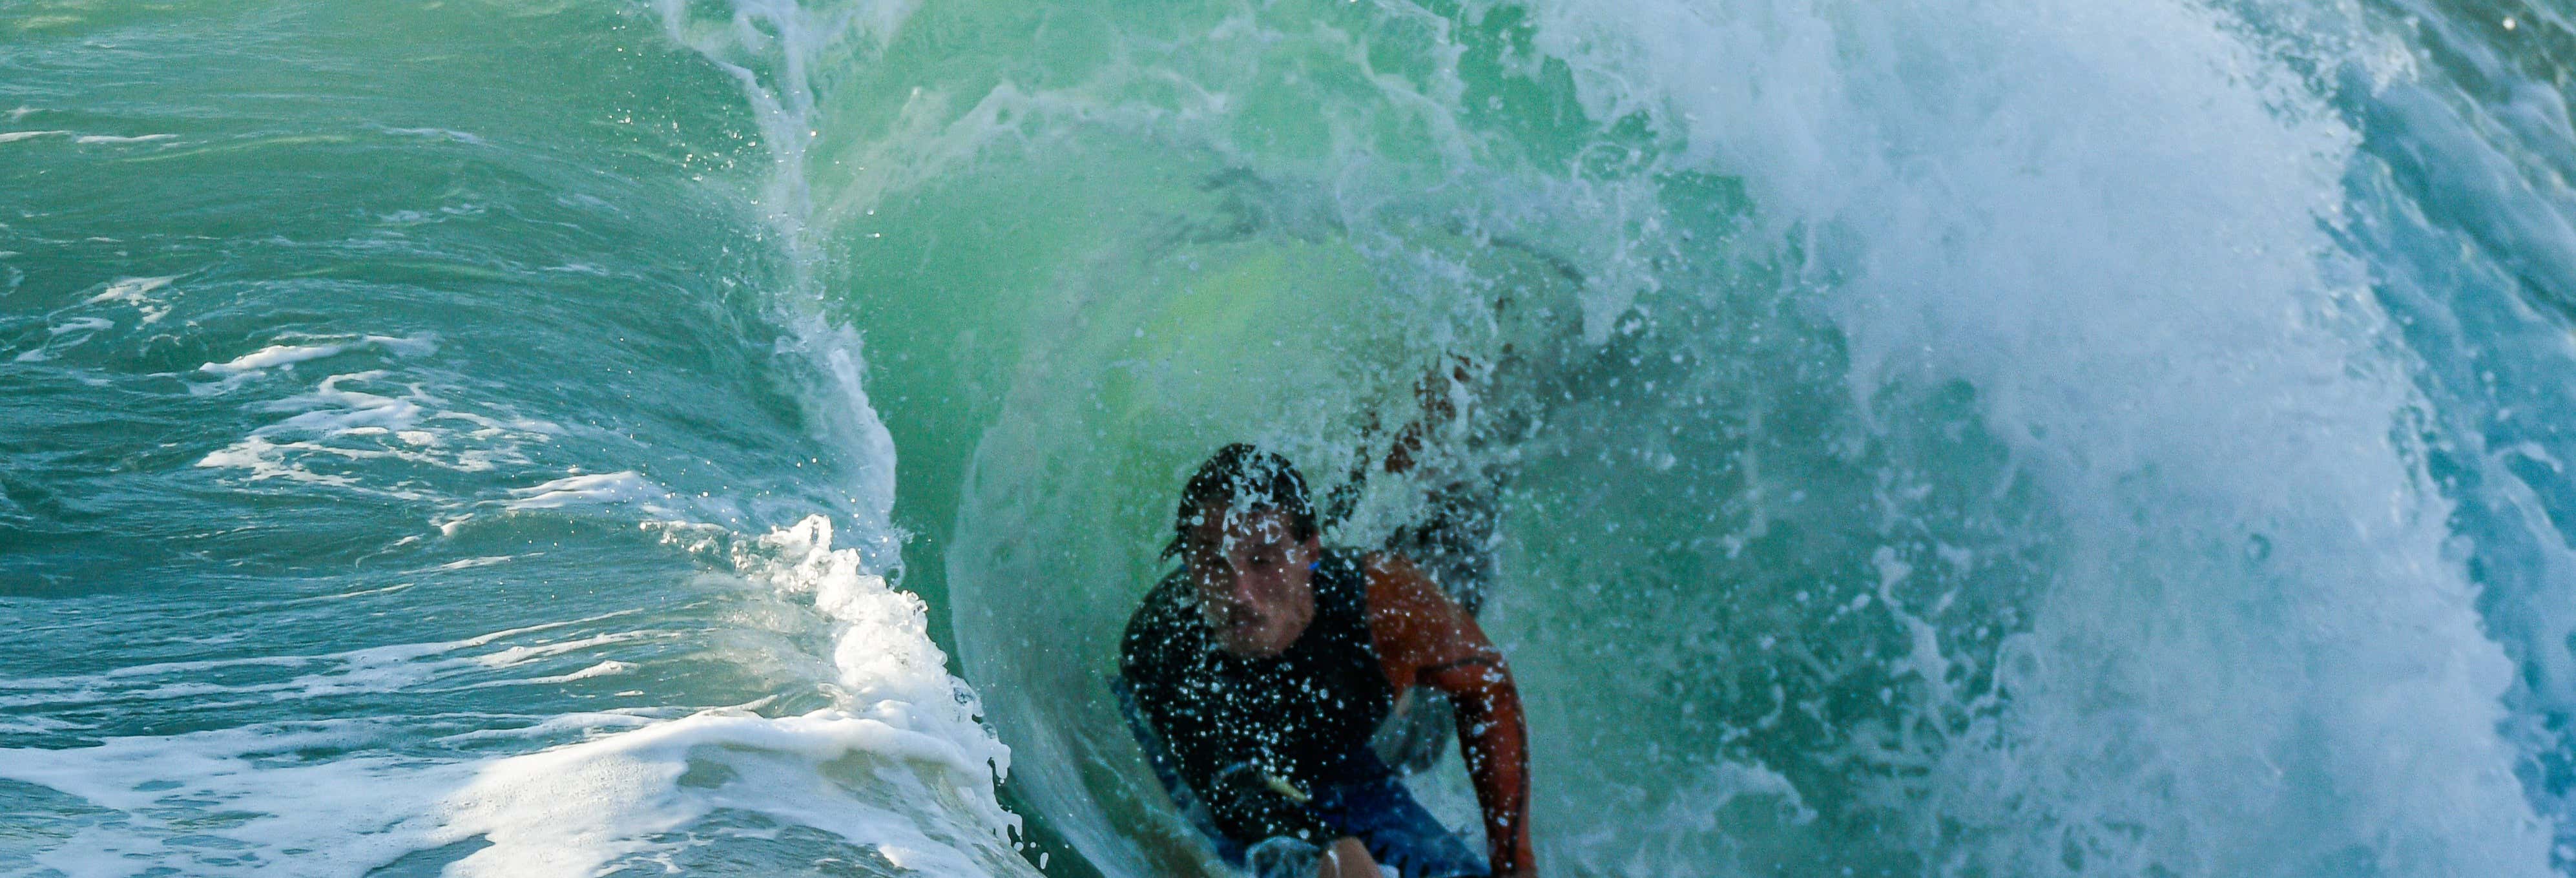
1175	353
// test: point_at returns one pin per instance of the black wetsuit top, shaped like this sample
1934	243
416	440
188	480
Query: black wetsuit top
1232	723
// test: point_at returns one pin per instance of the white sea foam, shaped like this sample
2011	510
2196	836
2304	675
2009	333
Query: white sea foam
919	794
15	136
572	810
383	669
242	369
79	329
287	815
132	289
136	291
602	669
595	488
342	596
38	725
899	765
80	324
278	355
118	138
405	424
594	722
439	133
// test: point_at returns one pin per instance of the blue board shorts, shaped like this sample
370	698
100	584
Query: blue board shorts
1376	809
1382	814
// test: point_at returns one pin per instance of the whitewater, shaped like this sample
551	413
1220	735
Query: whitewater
1935	437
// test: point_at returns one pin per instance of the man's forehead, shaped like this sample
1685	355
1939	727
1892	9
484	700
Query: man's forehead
1249	522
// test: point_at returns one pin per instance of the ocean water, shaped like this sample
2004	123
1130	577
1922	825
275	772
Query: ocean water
1931	437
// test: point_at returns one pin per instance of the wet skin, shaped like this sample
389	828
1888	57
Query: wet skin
1255	581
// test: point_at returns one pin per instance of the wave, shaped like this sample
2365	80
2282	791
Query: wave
1944	437
2006	437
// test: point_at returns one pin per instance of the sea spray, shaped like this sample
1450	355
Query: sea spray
770	48
2053	267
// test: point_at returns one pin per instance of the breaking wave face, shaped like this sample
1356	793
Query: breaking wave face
2010	437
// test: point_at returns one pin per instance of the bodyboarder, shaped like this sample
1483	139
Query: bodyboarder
1258	672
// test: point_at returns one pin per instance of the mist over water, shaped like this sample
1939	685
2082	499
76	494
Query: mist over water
2013	437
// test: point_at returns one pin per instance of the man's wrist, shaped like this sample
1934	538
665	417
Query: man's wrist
1513	859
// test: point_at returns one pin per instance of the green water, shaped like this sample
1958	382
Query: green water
1999	438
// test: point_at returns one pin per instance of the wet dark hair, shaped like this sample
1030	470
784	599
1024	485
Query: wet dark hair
1242	478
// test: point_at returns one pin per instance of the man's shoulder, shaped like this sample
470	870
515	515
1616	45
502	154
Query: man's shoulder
1165	602
1160	623
1388	577
1381	565
1402	601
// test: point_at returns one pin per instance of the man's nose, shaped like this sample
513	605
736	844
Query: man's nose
1239	589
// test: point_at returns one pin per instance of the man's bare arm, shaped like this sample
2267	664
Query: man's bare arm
1495	742
1423	638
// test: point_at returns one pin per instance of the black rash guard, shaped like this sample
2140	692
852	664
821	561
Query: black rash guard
1239	728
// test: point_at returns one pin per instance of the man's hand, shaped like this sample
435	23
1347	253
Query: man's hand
1347	858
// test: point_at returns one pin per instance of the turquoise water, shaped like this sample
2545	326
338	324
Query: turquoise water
1945	437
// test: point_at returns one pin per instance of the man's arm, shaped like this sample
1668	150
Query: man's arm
1495	742
1424	638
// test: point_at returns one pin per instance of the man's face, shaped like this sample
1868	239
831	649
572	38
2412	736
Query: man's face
1255	581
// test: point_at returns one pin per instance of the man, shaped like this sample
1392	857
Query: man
1263	666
